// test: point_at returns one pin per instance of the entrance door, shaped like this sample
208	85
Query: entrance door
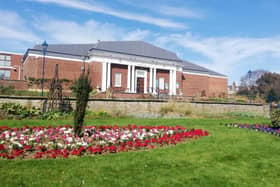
140	85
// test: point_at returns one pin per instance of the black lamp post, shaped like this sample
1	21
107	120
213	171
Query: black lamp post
250	85
44	50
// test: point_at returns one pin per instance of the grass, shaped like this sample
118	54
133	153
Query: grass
228	157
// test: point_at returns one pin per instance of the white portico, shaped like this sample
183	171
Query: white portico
141	76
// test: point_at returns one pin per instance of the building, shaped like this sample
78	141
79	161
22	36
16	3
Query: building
126	67
10	66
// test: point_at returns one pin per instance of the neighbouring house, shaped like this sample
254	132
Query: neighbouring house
127	67
11	70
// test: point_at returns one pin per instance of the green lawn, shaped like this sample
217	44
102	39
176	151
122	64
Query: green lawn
228	157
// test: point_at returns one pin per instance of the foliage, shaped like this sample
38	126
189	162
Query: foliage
97	114
275	118
7	90
269	86
82	88
172	107
35	81
17	111
249	80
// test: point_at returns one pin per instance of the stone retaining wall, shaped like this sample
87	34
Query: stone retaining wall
151	108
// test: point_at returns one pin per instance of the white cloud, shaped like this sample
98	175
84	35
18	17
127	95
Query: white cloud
13	27
137	35
87	32
166	9
179	12
95	7
225	53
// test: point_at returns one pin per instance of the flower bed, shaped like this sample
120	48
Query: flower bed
53	142
256	127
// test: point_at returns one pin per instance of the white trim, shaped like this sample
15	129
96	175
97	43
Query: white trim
59	58
150	60
133	79
154	80
104	78
8	67
170	82
174	82
201	74
151	80
12	53
141	76
108	75
128	78
129	62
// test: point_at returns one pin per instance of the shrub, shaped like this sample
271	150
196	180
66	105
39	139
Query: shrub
275	118
17	111
7	89
167	108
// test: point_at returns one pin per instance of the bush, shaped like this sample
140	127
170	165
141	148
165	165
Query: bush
7	90
275	118
17	111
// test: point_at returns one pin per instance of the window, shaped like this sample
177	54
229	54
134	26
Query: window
5	74
177	85
161	83
5	60
118	79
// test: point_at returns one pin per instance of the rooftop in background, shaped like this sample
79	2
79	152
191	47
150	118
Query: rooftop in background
193	68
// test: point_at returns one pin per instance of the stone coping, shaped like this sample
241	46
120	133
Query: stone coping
130	100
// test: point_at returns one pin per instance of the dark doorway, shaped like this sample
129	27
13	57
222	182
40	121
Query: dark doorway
140	85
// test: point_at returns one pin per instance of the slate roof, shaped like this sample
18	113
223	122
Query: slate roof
65	50
138	48
135	48
193	68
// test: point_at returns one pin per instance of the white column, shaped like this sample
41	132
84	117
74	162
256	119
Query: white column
108	75
104	77
174	82
151	80
154	80
133	80
128	78
170	82
145	82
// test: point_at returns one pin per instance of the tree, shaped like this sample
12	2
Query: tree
251	77
82	88
248	83
268	85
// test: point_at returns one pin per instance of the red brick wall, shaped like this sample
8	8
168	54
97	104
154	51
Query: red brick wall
16	63
193	85
17	84
116	68
67	69
96	74
217	86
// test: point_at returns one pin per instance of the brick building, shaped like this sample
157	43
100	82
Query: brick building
126	67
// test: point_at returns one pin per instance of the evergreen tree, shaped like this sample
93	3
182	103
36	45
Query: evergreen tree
82	88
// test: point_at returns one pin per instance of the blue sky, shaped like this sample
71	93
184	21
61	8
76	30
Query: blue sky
229	36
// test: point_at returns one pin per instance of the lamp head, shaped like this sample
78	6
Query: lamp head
45	46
